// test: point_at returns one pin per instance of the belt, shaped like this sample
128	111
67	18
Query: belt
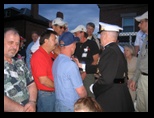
143	73
119	80
46	90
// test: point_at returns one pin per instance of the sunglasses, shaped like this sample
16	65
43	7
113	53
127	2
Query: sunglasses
61	27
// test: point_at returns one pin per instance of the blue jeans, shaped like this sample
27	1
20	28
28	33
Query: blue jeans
60	107
46	101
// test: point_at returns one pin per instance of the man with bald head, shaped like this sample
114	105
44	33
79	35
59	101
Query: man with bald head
67	79
111	90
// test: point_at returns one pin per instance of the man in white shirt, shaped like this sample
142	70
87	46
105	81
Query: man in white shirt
139	41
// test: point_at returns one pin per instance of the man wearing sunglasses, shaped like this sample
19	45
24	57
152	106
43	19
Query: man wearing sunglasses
59	26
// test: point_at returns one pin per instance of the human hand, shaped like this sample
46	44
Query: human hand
132	85
77	61
30	107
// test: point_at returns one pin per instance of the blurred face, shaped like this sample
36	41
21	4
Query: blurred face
90	30
102	38
35	37
143	25
127	52
78	34
73	47
59	29
52	42
11	44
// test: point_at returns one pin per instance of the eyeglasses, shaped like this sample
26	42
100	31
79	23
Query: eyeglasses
61	27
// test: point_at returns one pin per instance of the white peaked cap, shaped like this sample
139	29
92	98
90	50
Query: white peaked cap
58	21
142	17
109	27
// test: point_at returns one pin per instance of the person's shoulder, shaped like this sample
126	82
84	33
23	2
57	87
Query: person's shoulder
19	61
134	58
95	36
91	42
30	44
37	54
140	33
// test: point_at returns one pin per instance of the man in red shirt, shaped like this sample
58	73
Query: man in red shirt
41	65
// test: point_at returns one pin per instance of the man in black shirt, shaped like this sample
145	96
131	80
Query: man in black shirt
87	53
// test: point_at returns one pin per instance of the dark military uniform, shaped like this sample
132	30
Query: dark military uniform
111	89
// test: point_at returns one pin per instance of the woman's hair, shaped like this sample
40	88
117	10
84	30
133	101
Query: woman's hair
131	48
87	104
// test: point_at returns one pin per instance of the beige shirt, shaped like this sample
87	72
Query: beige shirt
131	67
142	62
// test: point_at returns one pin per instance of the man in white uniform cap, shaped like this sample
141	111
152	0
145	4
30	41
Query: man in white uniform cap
111	90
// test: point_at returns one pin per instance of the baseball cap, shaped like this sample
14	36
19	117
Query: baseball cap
58	21
79	28
109	27
142	17
67	38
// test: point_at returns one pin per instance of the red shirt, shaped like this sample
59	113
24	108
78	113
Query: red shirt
41	65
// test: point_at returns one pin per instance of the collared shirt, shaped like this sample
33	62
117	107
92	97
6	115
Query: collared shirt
94	38
36	45
66	79
41	65
139	39
29	54
16	79
142	62
121	48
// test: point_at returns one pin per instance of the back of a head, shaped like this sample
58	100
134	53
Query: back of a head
87	104
60	15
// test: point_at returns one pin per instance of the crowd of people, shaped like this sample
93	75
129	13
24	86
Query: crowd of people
74	71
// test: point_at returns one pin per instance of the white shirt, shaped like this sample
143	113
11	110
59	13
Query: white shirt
96	40
121	48
35	45
139	39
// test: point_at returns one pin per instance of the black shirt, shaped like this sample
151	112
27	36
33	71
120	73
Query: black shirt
85	51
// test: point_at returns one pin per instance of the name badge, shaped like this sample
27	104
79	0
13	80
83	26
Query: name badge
85	49
84	54
14	74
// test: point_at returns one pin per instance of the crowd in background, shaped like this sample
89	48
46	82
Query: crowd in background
75	71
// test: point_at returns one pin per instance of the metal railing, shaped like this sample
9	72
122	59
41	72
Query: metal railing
130	35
